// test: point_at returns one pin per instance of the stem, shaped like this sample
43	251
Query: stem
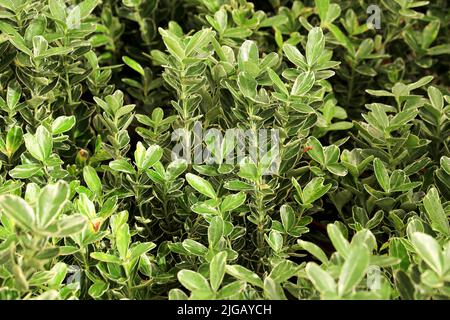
85	260
350	86
259	198
143	285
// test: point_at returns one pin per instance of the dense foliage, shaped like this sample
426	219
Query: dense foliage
93	206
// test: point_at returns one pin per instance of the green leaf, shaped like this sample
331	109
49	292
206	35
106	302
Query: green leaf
404	285
248	58
47	253
13	94
176	168
436	98
342	39
132	3
314	46
134	65
295	56
204	208
105	257
445	164
334	11
283	271
220	20
431	279
248	170
153	154
275	240
173	44
337	169
384	261
247	85
381	174
277	82
86	7
287	217
140	249
25	171
217	269
378	117
177	294
420	83
59	272
429	250
237	185
439	49
233	201
237	32
9	4
314	190
40	45
315	250
245	274
92	180
198	41
139	155
402	118
15	38
73	19
331	153
55	51
316	150
339	242
215	231
123	240
67	226
430	33
194	247
122	165
52	200
303	83
39	145
364	236
273	290
193	281
98	289
322	8
201	185
274	21
354	269
18	210
232	289
13	140
380	93
435	212
58	9
320	278
63	124
86	206
364	49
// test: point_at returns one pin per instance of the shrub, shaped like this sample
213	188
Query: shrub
350	200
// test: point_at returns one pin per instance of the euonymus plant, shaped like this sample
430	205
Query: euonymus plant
351	201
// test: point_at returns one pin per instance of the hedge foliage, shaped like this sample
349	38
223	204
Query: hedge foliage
94	206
